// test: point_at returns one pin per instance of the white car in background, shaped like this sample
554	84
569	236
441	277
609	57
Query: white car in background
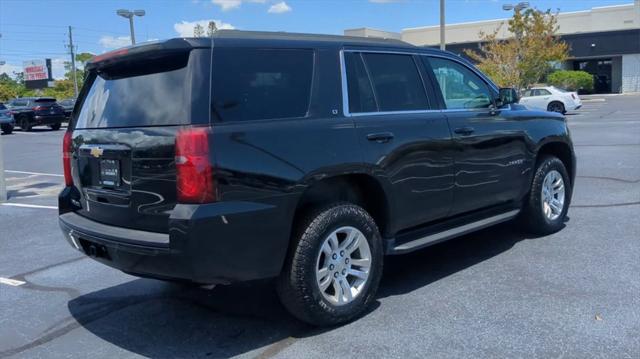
551	98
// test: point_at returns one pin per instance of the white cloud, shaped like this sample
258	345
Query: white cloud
279	8
233	4
111	42
185	28
9	69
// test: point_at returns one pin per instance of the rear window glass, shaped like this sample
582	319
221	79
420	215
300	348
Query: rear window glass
259	84
396	81
130	96
361	98
45	100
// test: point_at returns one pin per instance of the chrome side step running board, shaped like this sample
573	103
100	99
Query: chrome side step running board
453	232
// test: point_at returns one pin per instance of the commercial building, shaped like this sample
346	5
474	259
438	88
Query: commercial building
604	41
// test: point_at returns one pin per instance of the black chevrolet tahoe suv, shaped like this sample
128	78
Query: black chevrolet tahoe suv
302	158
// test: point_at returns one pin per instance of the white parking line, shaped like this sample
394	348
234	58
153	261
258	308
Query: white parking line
24	205
11	282
35	173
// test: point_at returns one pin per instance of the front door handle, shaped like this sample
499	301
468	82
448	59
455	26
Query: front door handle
380	137
464	131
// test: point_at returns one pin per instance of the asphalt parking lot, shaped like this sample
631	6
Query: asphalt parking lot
496	293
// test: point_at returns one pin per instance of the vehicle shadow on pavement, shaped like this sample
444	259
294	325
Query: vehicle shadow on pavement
158	319
405	273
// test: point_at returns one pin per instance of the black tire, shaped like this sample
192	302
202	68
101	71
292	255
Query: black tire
25	125
297	285
556	106
7	130
56	126
533	216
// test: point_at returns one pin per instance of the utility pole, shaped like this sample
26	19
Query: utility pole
442	25
73	64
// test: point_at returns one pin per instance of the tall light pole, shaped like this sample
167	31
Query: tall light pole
129	15
442	25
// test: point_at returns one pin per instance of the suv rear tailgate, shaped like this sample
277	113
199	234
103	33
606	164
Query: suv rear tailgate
124	129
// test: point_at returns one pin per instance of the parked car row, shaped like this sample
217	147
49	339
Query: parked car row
6	119
27	112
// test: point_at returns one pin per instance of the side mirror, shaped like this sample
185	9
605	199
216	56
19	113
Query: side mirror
507	96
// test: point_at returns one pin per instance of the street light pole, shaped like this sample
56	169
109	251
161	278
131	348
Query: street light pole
129	15
133	33
442	46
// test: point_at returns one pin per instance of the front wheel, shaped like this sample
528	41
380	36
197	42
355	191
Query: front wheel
7	130
548	202
333	271
56	126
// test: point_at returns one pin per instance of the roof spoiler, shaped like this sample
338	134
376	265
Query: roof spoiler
145	50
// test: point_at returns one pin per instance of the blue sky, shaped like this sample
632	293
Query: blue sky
33	29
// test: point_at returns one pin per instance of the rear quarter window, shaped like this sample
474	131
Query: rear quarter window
261	84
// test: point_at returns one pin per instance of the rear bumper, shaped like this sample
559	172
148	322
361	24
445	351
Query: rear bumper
214	243
48	120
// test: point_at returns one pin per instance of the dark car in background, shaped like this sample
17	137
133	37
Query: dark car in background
305	158
6	119
36	111
67	104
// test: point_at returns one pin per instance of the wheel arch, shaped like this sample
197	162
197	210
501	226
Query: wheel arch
358	188
562	151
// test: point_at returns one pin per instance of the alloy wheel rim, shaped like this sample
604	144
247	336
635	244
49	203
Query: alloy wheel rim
343	265
553	195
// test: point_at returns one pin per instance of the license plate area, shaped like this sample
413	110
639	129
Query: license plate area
109	175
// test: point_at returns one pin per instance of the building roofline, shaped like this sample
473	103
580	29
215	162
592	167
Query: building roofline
569	13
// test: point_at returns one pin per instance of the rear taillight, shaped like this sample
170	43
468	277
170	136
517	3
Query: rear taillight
194	182
67	149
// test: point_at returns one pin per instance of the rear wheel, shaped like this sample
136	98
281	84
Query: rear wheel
548	200
556	106
7	130
56	126
334	269
25	125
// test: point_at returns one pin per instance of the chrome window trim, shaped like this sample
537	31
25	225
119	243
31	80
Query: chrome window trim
345	89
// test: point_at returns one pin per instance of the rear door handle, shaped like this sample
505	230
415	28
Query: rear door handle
380	137
464	131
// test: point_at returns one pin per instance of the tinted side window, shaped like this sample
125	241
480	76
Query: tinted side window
461	88
527	93
543	92
255	84
396	81
361	98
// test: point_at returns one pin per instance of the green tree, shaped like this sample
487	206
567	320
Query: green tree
211	28
198	31
571	80
525	58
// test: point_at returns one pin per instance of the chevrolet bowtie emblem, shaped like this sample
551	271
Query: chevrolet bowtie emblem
96	152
